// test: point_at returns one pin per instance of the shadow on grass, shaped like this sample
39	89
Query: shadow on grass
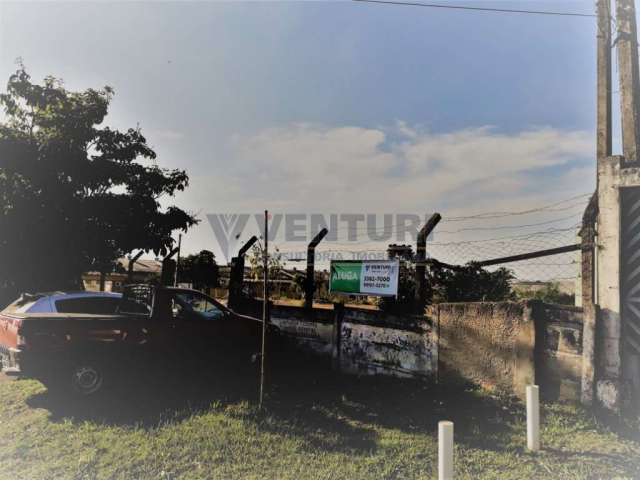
305	398
408	405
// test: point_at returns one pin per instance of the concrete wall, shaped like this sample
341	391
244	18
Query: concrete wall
501	346
363	341
490	344
505	346
373	342
559	350
311	330
617	368
608	362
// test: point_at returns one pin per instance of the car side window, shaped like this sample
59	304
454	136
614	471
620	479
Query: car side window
89	305
196	303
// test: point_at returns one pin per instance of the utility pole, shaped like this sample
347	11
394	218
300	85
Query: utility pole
627	43
265	307
587	233
604	87
175	274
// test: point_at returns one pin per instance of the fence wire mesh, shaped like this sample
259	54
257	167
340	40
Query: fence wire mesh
458	240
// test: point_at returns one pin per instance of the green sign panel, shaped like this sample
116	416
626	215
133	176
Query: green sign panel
365	277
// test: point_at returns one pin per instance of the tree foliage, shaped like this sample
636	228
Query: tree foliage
549	293
470	283
405	301
200	270
74	196
256	261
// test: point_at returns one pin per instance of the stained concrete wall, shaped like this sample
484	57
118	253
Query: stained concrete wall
312	330
362	341
501	346
373	342
505	346
608	362
617	368
558	352
490	344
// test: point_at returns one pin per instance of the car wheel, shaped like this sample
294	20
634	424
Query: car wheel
86	379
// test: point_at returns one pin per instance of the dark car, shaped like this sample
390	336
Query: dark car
66	302
151	326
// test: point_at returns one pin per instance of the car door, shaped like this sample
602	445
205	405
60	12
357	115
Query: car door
200	325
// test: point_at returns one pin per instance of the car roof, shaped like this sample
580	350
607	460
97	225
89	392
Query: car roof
44	302
69	295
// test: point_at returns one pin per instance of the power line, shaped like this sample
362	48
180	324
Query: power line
495	240
479	9
508	227
389	229
514	237
548	208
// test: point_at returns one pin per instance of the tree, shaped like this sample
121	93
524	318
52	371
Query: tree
470	283
200	270
73	196
256	261
549	293
405	301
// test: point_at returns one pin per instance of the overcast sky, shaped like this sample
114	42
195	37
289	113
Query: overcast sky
335	106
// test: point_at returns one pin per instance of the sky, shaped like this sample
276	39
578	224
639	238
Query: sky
335	107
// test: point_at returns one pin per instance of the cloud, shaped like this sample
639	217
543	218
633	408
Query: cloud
308	168
304	166
164	134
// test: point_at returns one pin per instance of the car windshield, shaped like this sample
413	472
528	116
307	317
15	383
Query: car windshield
92	305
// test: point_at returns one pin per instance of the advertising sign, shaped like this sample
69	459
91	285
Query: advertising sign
365	277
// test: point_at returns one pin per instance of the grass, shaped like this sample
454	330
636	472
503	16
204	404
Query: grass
316	426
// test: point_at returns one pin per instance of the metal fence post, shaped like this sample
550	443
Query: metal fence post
310	286
236	275
421	256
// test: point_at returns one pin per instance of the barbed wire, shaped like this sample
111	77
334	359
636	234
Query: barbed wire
558	267
549	208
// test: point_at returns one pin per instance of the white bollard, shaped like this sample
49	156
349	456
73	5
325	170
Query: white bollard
533	418
445	450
